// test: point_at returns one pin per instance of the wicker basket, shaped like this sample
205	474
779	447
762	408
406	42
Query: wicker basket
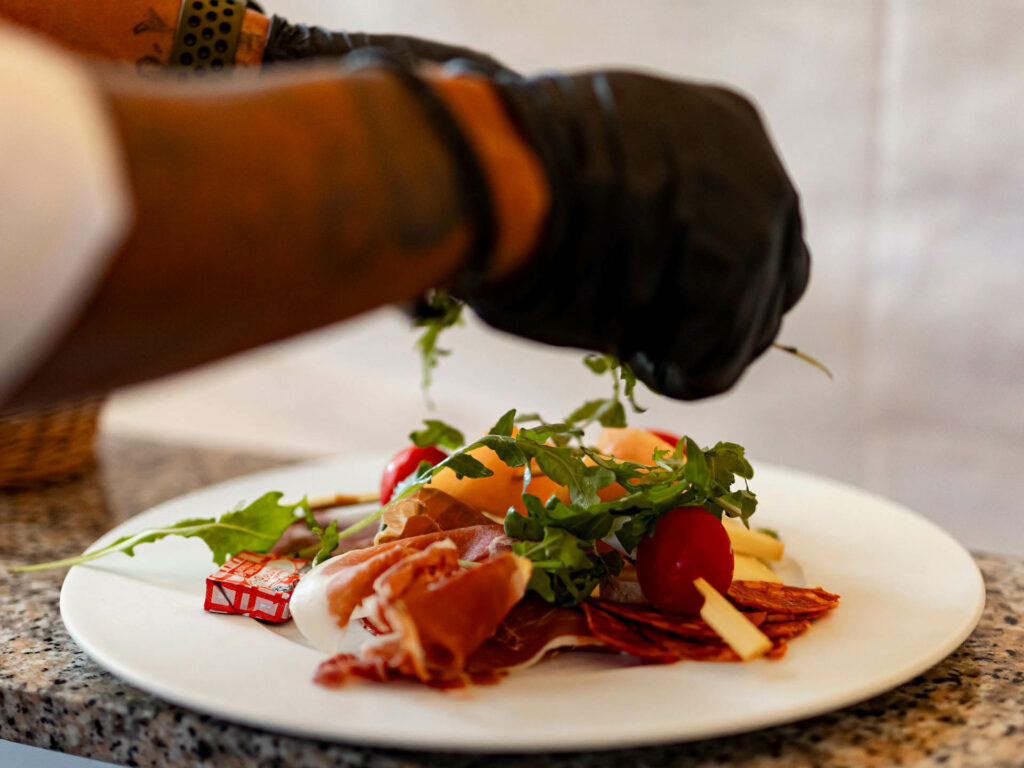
49	444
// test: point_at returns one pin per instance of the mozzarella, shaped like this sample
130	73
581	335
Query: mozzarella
313	617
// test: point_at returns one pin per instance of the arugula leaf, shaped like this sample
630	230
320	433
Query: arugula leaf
609	411
441	311
635	528
505	424
696	469
437	433
598	363
506	448
464	465
255	527
629	384
613	415
565	569
587	412
328	538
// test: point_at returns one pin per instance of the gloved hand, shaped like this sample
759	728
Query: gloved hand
286	42
674	240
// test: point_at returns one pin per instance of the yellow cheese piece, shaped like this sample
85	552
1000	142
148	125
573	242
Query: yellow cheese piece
747	568
760	545
733	627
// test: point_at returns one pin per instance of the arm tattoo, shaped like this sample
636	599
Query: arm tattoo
151	23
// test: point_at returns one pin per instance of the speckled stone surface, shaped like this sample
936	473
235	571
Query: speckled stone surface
967	711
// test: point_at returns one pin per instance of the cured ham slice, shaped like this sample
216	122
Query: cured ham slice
436	614
531	630
352	575
426	511
327	597
780	599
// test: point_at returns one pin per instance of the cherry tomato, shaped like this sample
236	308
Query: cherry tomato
668	437
403	464
687	543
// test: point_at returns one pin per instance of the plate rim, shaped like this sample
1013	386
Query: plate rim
561	743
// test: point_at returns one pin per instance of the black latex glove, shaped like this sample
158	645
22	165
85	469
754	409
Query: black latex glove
674	240
287	42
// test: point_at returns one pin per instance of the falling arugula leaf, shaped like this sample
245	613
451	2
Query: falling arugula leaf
608	411
439	311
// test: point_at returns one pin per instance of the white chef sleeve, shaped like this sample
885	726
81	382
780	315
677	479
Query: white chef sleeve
64	202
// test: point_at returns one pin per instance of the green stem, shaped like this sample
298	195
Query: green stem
356	527
134	541
730	507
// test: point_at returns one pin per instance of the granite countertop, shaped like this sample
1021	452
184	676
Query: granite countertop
966	711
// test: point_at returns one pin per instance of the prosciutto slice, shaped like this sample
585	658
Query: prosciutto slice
532	630
351	576
426	511
433	614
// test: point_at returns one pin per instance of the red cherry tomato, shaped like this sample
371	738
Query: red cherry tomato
668	437
687	543
403	464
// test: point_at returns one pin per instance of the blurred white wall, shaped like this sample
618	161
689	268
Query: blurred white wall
903	125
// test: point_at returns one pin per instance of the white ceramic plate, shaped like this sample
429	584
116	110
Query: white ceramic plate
910	595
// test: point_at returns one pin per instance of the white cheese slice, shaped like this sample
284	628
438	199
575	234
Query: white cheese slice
747	568
748	542
733	627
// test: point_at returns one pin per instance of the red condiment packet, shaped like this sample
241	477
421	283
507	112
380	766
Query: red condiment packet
254	585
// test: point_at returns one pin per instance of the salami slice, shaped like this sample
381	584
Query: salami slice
772	618
686	650
778	650
778	598
785	629
683	626
616	634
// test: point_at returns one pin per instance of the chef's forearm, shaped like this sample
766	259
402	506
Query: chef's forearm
137	32
276	207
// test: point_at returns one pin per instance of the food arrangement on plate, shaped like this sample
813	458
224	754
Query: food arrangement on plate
528	541
487	556
484	557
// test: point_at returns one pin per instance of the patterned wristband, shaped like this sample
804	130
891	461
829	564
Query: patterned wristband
207	35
